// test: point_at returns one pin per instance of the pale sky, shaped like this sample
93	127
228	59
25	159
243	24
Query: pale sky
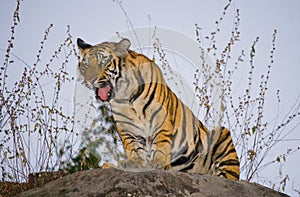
95	21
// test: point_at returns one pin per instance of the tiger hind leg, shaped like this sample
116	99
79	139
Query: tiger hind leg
231	171
225	158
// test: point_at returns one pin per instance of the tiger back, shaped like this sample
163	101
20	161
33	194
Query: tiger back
157	129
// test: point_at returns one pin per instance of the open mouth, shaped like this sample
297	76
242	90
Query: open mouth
104	92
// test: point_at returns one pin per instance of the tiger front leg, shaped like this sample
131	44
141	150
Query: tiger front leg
133	157
161	150
160	161
131	164
124	164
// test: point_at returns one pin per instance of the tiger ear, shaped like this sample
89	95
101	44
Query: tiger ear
82	46
122	47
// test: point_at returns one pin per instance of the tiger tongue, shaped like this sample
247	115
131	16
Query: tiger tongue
103	92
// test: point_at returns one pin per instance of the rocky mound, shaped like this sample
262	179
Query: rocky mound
113	182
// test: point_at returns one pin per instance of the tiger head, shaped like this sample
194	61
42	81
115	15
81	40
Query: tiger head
100	64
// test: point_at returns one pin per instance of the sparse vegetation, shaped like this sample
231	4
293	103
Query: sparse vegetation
255	137
33	118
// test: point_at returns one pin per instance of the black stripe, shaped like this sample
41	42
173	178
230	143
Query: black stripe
132	54
187	159
141	139
174	108
232	173
153	115
141	87
136	150
222	174
121	101
230	162
119	66
217	146
164	92
159	126
128	141
190	166
158	151
174	137
182	159
168	136
223	153
210	136
121	114
183	123
129	123
198	144
232	150
150	98
195	130
165	140
152	82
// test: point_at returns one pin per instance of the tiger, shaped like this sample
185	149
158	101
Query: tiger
157	130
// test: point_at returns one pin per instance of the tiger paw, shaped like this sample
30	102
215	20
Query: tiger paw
158	165
130	164
108	165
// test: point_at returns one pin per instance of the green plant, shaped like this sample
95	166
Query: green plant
100	137
84	160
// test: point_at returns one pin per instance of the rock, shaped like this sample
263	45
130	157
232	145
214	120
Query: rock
114	182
